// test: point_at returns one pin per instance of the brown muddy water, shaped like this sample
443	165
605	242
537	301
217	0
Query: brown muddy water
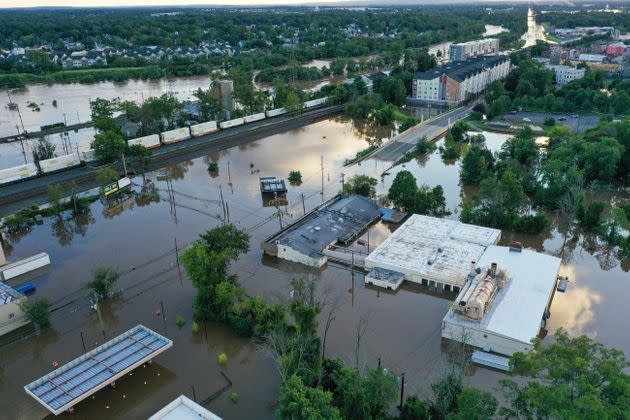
138	238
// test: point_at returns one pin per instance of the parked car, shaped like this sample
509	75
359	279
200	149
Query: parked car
527	119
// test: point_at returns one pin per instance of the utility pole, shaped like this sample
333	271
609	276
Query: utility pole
402	390
303	205
343	176
280	218
124	164
98	312
227	209
322	166
229	175
222	204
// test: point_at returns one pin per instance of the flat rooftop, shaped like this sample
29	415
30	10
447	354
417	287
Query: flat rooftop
62	388
8	294
432	247
183	408
517	309
340	219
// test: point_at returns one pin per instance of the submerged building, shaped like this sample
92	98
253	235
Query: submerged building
431	251
11	314
453	83
505	301
504	293
339	220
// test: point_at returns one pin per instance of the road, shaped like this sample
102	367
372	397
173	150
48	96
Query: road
35	191
398	146
578	123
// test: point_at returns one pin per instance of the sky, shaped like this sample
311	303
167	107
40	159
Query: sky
101	3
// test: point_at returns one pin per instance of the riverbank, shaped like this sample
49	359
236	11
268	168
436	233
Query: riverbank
86	76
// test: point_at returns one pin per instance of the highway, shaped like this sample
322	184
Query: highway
431	129
35	191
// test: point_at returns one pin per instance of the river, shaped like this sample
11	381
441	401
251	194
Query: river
139	238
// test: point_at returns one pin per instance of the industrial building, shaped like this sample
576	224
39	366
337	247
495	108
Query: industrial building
429	250
505	301
339	220
183	408
465	50
11	314
451	84
566	74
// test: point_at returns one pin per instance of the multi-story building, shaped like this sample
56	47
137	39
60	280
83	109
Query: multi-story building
470	49
566	74
453	83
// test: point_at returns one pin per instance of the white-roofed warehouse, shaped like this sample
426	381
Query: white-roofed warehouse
431	251
503	313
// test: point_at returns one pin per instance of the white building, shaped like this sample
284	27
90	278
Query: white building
11	315
503	312
453	83
566	74
465	50
183	408
430	251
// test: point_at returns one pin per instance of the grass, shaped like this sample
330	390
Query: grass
360	155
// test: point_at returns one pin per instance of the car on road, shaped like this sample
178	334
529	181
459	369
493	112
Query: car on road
562	119
575	116
527	119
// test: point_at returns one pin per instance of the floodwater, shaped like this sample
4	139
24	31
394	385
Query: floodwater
73	100
139	239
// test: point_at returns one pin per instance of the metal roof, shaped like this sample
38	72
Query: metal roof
8	294
460	70
272	184
83	376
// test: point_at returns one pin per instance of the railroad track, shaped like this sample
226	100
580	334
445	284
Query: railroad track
35	191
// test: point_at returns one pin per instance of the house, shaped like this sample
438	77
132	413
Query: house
11	314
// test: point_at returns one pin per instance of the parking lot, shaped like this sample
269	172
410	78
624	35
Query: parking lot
578	123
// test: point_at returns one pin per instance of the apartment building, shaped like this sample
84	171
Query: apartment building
470	49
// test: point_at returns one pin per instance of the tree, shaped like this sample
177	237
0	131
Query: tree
139	157
600	159
392	89
55	194
209	103
37	311
103	280
569	378
106	176
475	404
295	177
476	165
590	216
44	149
414	409
293	103
108	146
403	190
301	402
362	185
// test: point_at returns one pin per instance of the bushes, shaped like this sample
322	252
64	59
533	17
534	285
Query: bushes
37	311
530	223
589	217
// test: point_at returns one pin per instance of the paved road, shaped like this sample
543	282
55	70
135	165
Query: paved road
432	129
34	191
578	123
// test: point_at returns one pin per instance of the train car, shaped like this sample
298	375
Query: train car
275	112
17	173
254	117
315	102
173	136
88	155
150	142
231	123
60	163
204	128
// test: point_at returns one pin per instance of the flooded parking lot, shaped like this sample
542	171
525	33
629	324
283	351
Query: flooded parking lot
141	239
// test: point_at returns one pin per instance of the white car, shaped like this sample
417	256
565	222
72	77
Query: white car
527	119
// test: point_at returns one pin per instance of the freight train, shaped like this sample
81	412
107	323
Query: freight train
73	160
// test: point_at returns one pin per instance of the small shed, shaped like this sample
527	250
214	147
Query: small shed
271	184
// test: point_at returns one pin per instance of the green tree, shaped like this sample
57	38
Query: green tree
362	185
476	165
295	177
301	402
108	146
570	378
475	404
37	311
55	194
102	281
293	103
403	190
44	149
209	103
414	409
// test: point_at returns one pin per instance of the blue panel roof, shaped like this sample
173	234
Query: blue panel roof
83	376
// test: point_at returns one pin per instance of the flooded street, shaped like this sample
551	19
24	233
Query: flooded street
141	240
